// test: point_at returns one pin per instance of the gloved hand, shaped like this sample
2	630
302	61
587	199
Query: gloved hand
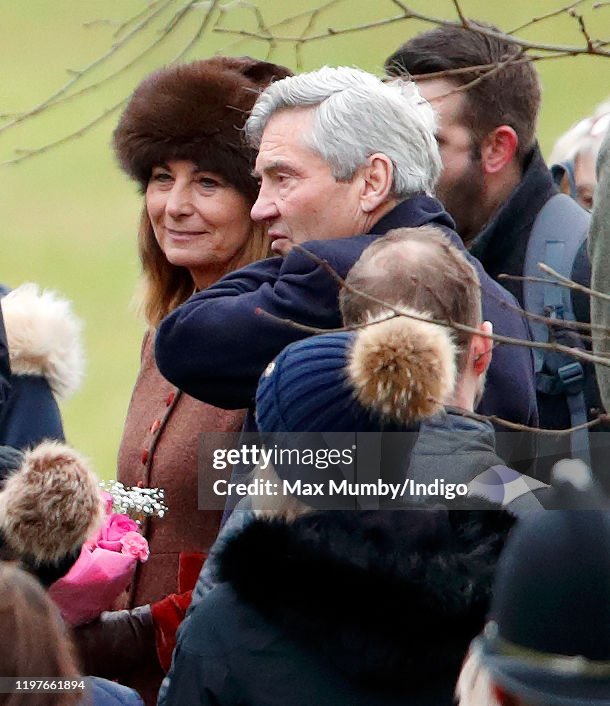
117	643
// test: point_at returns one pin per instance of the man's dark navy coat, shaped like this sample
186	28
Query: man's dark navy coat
216	345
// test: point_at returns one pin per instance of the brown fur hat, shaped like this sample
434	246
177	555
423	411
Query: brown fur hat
195	112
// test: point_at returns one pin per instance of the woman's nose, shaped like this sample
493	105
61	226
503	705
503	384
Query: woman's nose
179	201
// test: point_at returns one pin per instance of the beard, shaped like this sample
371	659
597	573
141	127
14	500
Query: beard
463	198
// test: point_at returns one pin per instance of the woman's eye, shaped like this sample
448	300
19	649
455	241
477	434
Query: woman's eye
161	176
208	182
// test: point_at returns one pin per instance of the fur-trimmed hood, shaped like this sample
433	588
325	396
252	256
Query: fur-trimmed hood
385	597
44	337
51	504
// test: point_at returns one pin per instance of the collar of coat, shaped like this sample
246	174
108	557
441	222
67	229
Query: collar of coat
384	597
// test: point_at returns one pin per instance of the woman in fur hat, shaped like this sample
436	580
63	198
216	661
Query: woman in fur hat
180	140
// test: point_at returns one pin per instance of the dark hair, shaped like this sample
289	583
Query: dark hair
508	96
34	642
418	268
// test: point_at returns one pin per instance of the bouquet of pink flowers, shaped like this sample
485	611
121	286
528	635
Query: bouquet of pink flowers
103	570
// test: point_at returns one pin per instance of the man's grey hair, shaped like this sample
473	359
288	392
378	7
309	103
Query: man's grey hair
357	115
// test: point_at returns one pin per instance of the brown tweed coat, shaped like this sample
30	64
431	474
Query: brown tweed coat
159	449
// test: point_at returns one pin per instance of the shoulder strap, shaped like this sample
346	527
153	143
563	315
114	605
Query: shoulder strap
557	234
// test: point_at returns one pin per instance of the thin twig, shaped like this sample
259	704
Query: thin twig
199	33
308	27
583	29
27	154
555	323
462	88
134	18
408	13
540	18
515	426
571	285
77	75
461	15
553	346
165	32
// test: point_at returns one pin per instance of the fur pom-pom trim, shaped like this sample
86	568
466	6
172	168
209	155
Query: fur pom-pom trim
44	337
51	505
403	368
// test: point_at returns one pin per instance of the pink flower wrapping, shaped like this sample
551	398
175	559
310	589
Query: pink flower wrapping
102	572
133	544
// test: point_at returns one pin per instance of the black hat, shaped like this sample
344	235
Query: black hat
548	640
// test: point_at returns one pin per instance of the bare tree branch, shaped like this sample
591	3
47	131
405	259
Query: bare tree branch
163	34
27	154
571	284
601	419
78	75
460	14
551	346
546	16
142	21
408	13
583	29
561	281
200	30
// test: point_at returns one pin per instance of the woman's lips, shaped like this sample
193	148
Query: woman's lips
183	234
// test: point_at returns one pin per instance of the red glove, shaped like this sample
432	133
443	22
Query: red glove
167	616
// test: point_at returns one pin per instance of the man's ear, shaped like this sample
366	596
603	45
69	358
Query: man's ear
481	348
378	178
498	149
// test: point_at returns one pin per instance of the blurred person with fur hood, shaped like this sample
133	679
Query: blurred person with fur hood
180	139
50	504
45	361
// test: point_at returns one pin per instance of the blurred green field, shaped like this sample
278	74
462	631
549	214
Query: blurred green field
69	216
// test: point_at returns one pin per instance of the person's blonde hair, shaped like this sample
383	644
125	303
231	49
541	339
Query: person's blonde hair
164	286
34	642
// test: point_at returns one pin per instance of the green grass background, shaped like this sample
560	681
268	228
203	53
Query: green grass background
69	216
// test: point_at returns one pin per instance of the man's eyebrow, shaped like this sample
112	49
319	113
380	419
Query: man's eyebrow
274	167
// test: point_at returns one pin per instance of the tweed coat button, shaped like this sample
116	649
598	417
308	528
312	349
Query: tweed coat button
154	427
170	399
144	456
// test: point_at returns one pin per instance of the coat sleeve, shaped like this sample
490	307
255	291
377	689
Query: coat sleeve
201	671
216	345
30	414
599	251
